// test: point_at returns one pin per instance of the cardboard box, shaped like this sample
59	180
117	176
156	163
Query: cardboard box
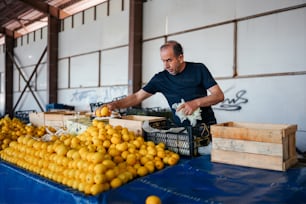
53	119
266	146
134	122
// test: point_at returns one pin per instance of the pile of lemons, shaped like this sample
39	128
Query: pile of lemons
11	129
101	158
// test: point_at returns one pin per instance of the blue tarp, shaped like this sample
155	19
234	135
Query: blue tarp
196	180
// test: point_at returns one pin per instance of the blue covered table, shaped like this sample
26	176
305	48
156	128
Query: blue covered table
192	181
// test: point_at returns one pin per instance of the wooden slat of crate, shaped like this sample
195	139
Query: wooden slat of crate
134	122
267	146
273	149
54	119
247	159
37	119
254	132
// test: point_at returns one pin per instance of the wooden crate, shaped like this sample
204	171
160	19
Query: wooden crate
53	119
266	146
134	122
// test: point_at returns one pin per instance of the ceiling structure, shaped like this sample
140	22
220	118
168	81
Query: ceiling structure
19	17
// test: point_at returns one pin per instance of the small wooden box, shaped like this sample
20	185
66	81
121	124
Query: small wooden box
134	122
53	119
266	146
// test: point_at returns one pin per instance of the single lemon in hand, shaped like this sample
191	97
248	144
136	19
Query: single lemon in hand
105	111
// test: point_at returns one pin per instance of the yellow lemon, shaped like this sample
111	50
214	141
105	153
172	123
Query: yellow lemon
105	111
100	178
96	189
142	171
116	182
100	168
153	199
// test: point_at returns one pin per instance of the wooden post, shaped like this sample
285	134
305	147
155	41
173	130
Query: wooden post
135	46
9	65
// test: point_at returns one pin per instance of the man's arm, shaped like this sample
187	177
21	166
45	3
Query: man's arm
216	96
129	101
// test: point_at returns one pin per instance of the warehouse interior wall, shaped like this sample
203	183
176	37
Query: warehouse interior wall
255	49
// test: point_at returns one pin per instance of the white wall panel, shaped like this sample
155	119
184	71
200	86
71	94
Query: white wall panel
213	47
105	33
114	67
154	18
114	30
16	80
2	60
29	54
78	40
115	7
177	15
84	70
63	75
67	24
45	34
42	78
151	62
78	20
28	102
272	44
2	102
89	15
101	11
250	7
2	82
184	15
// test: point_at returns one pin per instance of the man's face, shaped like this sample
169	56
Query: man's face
172	64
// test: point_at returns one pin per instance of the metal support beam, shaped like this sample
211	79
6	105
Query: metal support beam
135	46
28	85
53	30
46	8
9	51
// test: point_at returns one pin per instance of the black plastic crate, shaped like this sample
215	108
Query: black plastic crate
185	142
24	115
58	106
155	111
94	106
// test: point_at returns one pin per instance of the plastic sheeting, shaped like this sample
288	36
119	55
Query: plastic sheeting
192	181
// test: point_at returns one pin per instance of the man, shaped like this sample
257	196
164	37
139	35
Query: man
179	80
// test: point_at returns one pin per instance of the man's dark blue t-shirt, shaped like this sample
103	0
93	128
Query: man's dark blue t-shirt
192	83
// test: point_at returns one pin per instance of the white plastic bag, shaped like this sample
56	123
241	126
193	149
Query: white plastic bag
196	115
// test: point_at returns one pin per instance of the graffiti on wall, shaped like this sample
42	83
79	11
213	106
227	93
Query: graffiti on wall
234	103
97	95
83	95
